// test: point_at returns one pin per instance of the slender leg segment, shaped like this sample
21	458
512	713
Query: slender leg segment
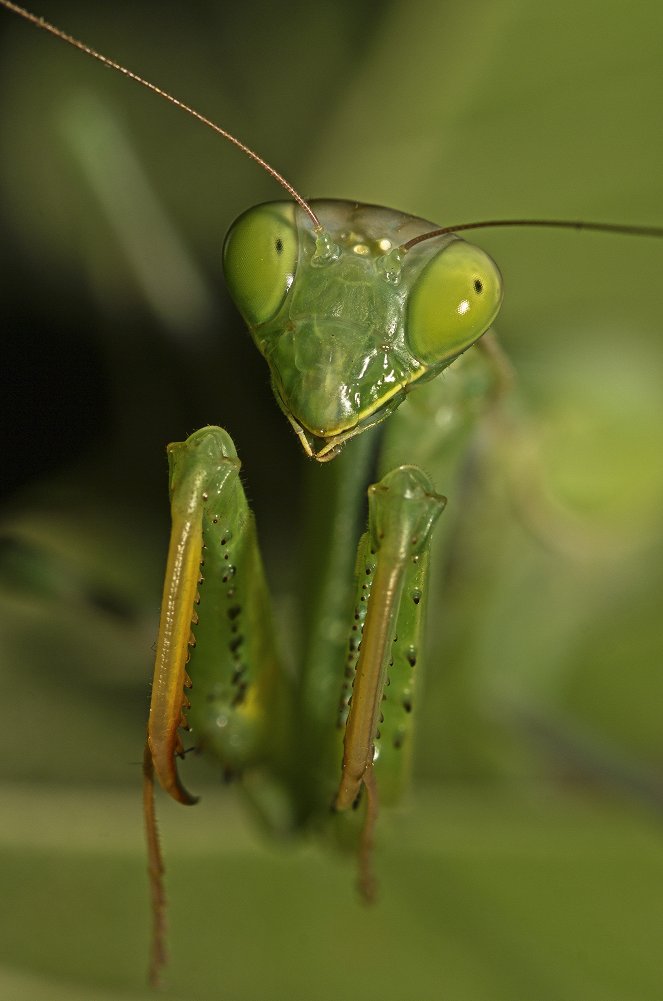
155	868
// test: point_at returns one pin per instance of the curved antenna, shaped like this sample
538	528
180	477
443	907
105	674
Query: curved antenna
596	227
112	64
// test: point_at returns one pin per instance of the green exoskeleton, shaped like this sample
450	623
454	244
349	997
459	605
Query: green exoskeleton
348	320
357	311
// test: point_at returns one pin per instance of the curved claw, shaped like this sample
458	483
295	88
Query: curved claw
165	767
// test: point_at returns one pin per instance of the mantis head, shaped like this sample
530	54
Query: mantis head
347	316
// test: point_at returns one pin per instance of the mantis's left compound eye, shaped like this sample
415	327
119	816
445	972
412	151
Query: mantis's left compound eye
260	260
453	302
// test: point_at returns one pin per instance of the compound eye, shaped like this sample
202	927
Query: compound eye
453	302
260	256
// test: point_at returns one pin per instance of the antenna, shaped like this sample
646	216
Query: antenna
595	227
40	22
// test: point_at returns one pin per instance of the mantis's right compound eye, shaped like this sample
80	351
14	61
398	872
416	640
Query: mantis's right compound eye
453	302
260	256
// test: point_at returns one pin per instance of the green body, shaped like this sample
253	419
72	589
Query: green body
350	321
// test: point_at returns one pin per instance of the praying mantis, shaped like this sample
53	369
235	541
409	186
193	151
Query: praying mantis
321	799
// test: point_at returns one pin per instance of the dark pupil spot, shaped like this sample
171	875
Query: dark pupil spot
279	246
478	285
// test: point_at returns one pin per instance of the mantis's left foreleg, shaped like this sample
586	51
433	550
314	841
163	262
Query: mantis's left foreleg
392	568
216	641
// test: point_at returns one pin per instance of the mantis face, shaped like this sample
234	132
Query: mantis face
349	327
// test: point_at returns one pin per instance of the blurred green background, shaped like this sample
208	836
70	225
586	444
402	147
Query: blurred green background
529	861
